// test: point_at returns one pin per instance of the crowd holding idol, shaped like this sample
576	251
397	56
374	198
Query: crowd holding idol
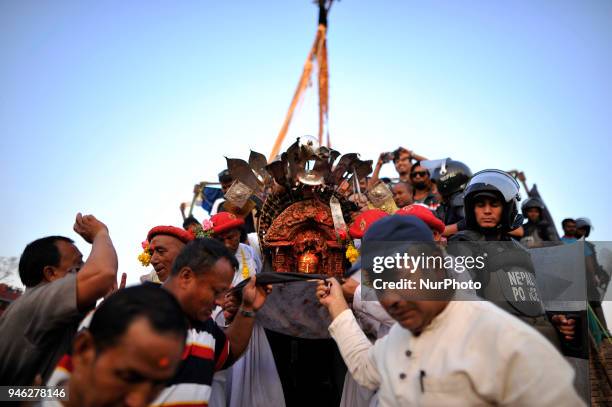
269	302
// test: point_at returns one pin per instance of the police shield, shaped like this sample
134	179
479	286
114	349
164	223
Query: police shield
508	278
561	277
519	288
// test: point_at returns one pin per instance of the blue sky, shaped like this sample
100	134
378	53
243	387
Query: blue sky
118	108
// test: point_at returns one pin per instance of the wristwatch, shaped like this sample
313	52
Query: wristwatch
248	314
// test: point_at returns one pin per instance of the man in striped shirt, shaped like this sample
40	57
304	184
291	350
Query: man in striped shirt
201	275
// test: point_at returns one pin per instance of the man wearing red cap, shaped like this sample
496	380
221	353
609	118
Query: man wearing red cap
162	246
227	228
360	224
372	318
370	314
364	220
357	229
369	310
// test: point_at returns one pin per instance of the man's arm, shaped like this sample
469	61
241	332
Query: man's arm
417	156
450	230
99	273
518	232
356	349
241	328
376	173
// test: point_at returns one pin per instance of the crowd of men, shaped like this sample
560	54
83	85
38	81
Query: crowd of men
187	337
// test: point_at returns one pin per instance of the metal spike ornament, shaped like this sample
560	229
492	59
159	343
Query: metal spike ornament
302	222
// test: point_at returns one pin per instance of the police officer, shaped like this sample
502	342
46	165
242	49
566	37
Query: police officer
536	228
490	201
451	179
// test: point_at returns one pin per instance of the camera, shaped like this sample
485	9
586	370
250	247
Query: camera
387	157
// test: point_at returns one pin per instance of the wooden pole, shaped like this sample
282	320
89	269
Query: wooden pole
318	52
302	84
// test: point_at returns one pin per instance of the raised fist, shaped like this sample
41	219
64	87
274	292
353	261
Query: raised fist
88	227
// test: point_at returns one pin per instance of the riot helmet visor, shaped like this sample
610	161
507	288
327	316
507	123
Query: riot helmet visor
497	179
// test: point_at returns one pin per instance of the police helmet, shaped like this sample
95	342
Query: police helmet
451	177
496	184
532	203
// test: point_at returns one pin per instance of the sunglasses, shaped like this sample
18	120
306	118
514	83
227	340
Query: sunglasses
418	174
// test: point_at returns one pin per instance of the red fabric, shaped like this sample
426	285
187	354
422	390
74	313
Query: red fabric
66	363
199	352
224	221
364	220
181	234
424	214
223	357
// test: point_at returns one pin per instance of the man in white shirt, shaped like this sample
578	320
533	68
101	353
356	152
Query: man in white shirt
446	353
253	380
227	229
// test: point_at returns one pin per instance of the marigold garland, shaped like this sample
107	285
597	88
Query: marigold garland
145	256
245	266
352	253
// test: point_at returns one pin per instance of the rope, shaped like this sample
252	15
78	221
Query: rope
603	330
